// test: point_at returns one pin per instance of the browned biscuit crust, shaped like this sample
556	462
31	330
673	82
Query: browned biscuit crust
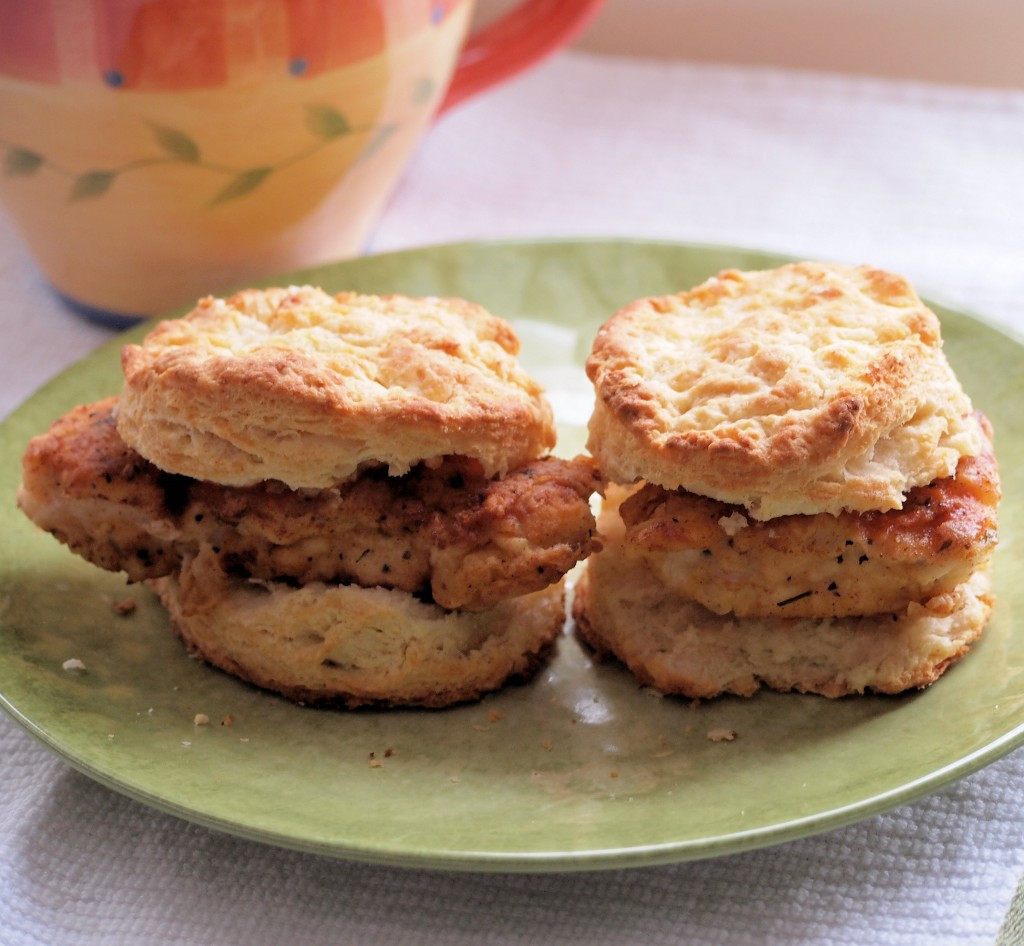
349	646
809	388
295	385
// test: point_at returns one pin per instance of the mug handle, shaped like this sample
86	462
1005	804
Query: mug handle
514	42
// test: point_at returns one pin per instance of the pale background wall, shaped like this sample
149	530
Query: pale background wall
977	42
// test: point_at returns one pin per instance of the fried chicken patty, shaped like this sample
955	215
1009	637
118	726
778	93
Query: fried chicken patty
820	565
448	533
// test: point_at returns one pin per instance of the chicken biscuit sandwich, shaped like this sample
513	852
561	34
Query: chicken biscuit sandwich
806	499
345	499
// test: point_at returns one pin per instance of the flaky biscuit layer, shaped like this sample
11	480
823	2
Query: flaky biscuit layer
678	647
808	388
352	646
295	385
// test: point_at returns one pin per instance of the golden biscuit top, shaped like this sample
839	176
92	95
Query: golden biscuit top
297	385
809	388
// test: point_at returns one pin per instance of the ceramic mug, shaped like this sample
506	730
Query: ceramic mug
154	151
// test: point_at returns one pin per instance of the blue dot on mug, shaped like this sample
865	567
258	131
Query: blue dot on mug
113	78
297	66
437	13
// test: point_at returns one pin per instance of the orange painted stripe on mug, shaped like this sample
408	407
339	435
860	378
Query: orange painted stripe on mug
325	35
161	44
28	47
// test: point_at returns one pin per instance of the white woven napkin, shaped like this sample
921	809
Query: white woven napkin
925	180
921	178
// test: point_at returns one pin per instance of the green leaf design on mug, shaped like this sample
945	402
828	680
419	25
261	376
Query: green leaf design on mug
176	143
324	121
423	90
243	183
22	162
380	136
92	184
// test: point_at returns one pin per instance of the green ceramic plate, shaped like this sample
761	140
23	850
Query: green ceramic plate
579	769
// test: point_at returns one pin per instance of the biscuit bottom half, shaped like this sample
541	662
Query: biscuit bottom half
351	646
679	647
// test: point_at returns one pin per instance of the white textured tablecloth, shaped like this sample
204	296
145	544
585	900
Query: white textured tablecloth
925	180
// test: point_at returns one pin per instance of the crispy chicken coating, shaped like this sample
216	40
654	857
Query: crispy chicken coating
821	565
447	533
